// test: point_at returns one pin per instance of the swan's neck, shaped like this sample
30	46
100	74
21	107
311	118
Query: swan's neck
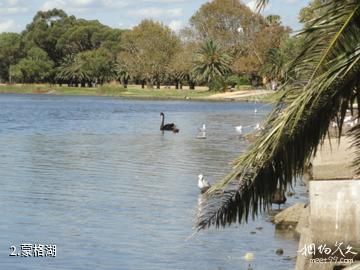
162	121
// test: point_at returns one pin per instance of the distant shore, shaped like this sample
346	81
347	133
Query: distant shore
245	93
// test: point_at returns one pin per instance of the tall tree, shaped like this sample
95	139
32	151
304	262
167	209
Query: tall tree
45	30
181	65
89	67
274	66
277	60
82	36
220	21
211	63
259	40
148	49
273	20
326	86
10	52
245	34
111	40
35	67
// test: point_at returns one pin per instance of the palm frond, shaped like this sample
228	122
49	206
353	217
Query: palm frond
330	66
260	4
355	134
211	62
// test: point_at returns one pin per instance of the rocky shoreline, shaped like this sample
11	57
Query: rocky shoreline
332	215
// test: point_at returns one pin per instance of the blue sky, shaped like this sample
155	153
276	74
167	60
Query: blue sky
15	14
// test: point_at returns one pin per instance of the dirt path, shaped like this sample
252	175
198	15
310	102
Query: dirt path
241	94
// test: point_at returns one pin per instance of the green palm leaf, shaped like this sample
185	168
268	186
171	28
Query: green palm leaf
330	67
211	62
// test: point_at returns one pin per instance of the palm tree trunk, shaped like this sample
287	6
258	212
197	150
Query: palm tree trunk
191	85
125	83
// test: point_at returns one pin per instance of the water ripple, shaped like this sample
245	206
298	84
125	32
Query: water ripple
96	177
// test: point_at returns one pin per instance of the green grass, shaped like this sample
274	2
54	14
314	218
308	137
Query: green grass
106	90
201	93
23	89
165	93
244	87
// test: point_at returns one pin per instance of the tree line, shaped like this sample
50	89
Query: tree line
224	44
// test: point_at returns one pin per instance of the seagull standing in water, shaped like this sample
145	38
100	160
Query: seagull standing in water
203	128
202	132
239	129
203	184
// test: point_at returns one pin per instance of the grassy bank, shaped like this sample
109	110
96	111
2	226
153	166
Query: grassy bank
133	91
106	90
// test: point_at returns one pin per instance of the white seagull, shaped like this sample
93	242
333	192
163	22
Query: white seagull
202	132
203	184
203	128
239	129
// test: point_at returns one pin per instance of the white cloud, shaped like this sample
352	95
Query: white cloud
70	6
252	5
176	25
154	12
53	4
7	26
12	2
80	6
82	2
115	3
166	1
9	7
13	10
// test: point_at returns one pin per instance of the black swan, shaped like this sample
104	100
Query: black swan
168	127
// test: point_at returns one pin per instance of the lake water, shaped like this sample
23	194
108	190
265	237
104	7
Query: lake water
95	177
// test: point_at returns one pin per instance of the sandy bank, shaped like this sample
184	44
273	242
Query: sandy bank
250	95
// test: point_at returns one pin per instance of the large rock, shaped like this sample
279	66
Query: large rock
289	218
